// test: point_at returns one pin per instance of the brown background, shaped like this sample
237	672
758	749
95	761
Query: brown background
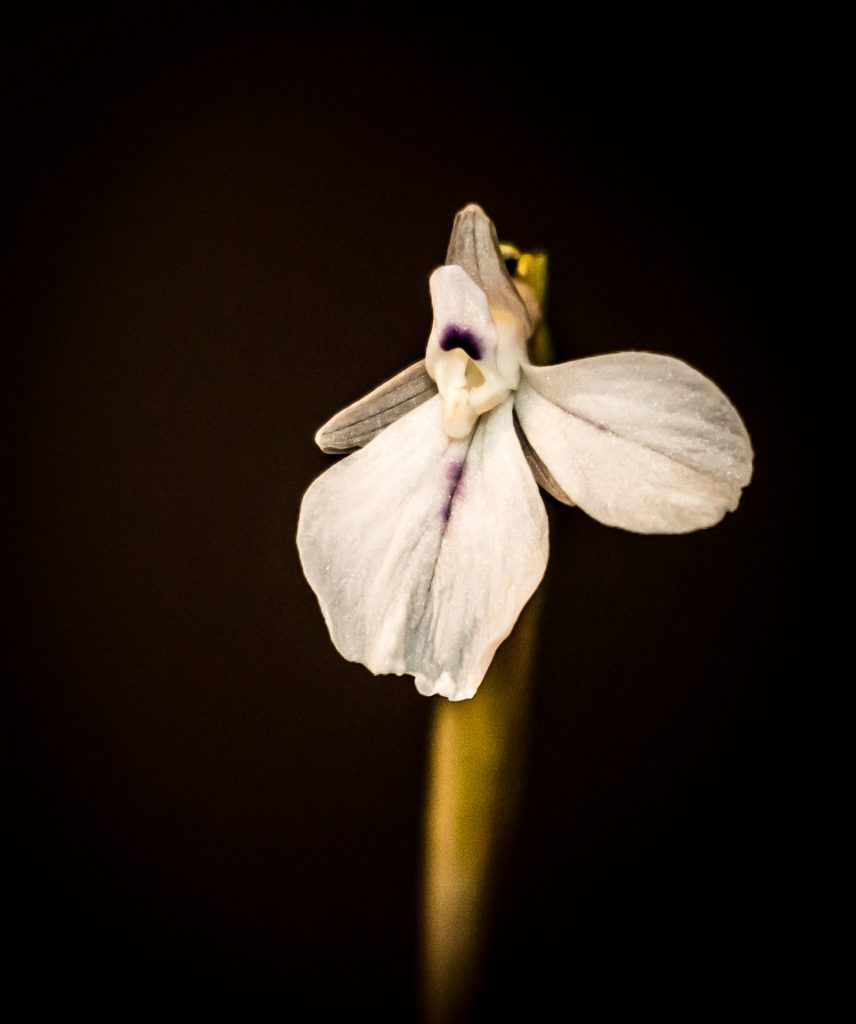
222	232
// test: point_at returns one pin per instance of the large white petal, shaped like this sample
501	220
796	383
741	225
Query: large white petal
637	440
423	550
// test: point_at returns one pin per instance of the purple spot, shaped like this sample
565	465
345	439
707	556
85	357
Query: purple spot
454	476
459	337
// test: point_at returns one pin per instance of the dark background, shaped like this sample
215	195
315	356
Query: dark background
222	232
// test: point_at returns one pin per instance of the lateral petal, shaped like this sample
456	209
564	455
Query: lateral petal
423	550
359	422
637	440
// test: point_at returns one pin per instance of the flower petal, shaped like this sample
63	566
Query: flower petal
637	440
356	425
423	550
543	477
474	246
459	303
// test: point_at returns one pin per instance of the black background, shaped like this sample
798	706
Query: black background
222	231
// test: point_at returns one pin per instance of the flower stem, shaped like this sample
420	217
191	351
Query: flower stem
476	763
475	770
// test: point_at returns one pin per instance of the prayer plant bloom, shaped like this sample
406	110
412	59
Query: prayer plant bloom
424	545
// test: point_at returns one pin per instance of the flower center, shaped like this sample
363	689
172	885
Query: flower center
471	379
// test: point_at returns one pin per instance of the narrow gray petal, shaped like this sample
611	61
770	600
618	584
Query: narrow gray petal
474	246
356	425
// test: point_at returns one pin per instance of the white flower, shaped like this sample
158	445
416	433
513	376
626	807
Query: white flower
424	546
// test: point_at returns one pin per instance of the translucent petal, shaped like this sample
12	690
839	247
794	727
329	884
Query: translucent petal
356	425
637	440
423	550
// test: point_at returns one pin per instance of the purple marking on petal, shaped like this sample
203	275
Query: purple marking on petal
460	337
454	477
602	427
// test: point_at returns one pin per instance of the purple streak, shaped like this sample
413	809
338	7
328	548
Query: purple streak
460	337
454	478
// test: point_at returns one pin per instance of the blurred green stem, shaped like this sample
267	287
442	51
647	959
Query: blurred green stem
476	764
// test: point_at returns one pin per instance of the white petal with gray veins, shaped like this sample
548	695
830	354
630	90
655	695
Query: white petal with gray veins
423	550
637	440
